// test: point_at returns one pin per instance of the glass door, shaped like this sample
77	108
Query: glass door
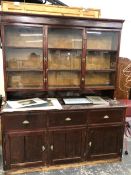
64	57
24	57
101	59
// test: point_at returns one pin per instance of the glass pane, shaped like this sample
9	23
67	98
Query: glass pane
64	57
22	36
57	79
25	80
24	59
99	79
100	60
65	38
102	40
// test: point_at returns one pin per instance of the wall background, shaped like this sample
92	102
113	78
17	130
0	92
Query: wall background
109	9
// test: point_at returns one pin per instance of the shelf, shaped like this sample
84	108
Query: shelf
100	50
64	48
102	87
23	89
24	70
23	47
64	70
101	71
63	87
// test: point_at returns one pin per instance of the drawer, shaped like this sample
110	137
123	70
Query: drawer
24	121
67	118
105	116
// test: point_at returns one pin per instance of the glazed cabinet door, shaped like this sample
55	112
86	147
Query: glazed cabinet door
67	145
25	149
101	58
104	142
64	58
24	53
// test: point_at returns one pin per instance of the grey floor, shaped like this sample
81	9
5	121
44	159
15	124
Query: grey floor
119	168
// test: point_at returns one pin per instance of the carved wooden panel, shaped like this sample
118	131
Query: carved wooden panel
124	78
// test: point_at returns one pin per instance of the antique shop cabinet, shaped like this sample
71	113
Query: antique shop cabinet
53	56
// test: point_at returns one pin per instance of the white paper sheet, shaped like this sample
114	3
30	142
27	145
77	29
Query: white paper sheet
55	105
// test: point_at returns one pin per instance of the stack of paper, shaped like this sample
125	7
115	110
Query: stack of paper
32	104
97	100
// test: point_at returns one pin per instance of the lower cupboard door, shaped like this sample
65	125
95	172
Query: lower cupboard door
66	146
26	148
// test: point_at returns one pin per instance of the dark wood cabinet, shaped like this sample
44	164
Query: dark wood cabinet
81	133
59	57
52	53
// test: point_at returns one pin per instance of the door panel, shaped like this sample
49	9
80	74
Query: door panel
27	147
105	141
67	145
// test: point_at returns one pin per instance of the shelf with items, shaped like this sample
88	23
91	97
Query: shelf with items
104	40
60	59
64	59
24	58
23	36
69	38
99	78
24	80
101	60
63	79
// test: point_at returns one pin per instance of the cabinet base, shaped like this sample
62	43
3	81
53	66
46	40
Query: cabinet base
57	167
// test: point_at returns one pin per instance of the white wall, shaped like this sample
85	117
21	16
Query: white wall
114	10
109	9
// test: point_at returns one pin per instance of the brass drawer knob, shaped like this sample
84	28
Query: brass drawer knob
106	117
68	119
43	148
52	147
25	122
83	79
90	143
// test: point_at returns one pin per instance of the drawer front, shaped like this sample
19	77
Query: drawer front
67	118
105	116
24	121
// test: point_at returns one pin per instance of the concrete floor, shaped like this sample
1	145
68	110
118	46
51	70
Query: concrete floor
118	168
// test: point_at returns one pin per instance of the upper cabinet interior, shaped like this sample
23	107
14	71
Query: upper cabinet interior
64	57
48	53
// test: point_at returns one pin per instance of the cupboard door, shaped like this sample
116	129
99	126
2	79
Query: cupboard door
67	146
105	142
64	57
26	148
24	56
101	58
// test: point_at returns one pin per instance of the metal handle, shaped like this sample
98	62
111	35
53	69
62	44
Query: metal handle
106	117
68	119
90	143
82	79
43	148
25	122
51	147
